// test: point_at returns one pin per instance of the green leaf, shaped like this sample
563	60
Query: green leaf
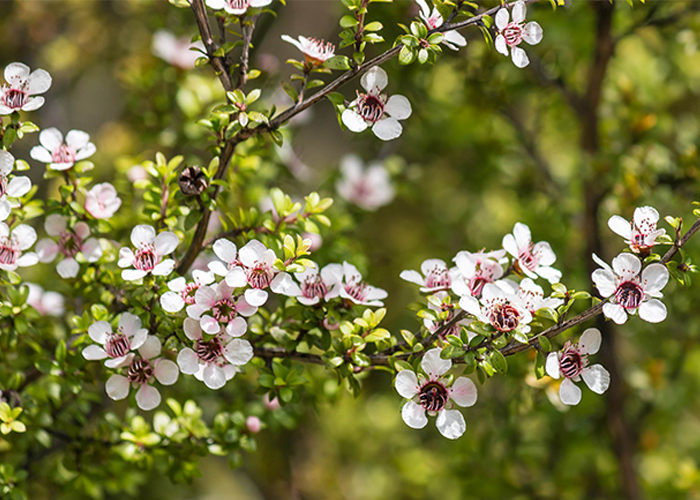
373	26
540	361
406	55
338	62
498	361
348	21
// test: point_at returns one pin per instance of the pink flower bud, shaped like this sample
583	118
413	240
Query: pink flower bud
253	424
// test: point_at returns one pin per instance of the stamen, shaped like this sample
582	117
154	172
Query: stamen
145	258
504	317
9	251
140	371
14	98
629	295
438	277
433	397
513	33
314	287
117	345
224	311
371	108
209	352
357	291
259	276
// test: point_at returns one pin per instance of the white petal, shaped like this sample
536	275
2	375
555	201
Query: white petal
451	424
502	18
126	257
653	311
98	331
500	44
92	250
142	234
192	329
38	82
133	274
51	139
33	103
596	378
225	250
77	139
412	277
654	279
414	415
166	242
407	384
626	266
25	236
151	347
166	372
615	312
569	393
117	387
463	392
94	352
353	121
19	186
147	397
604	281
398	107
519	12
532	33
471	305
519	57
172	302
590	340
454	38
164	268
214	377
68	268
282	284
374	78
236	277
188	361
552	365
433	365
387	129
255	297
209	324
47	250
238	352
237	327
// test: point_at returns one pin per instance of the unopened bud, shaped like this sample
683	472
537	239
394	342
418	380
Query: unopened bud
192	181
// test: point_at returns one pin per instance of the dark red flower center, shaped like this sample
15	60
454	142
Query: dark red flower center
209	352
357	291
571	364
504	317
224	311
117	345
140	371
370	107
9	250
433	396
314	286
259	276
513	33
69	244
14	98
146	258
629	295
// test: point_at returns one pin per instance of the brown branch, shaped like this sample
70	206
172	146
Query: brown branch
218	63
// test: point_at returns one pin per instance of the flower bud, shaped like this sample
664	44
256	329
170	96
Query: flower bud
253	424
192	181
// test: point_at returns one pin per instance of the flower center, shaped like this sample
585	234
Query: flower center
224	311
433	396
317	51
434	21
572	363
528	259
146	258
3	185
9	251
238	4
14	98
187	294
209	352
371	108
140	371
357	291
438	277
504	317
314	287
513	33
69	244
260	276
476	285
117	345
63	154
629	295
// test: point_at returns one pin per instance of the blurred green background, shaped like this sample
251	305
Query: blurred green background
603	120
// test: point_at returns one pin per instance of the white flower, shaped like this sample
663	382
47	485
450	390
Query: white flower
256	270
315	51
628	291
14	188
213	361
316	286
435	276
511	34
356	291
456	329
229	267
71	242
236	7
226	310
150	250
432	394
368	188
182	293
116	346
641	233
433	20
141	372
500	308
12	243
533	259
22	87
60	154
530	294
176	51
45	303
572	364
375	110
102	201
474	270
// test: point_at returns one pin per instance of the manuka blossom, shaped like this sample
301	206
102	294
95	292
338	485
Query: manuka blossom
213	361
511	34
435	276
141	372
71	243
229	267
255	268
456	329
176	51
116	346
182	293
102	201
315	286
500	308
148	257
16	187
236	7
533	259
45	303
432	394
452	39
354	290
630	292
375	110
216	307
315	51
13	243
474	270
571	363
368	188
60	154
641	233
530	294
22	88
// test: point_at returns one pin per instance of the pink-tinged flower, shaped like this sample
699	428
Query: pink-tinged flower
315	51
474	270
182	293
256	262
456	329
271	404
533	259
571	363
354	290
136	173
253	424
435	276
433	20
530	294
102	201
375	110
16	187
641	233
116	346
22	88
13	243
236	7
315	286
45	303
71	243
432	394
500	308
229	266
511	34
140	373
368	188
629	292
176	51
213	361
60	154
150	250
217	307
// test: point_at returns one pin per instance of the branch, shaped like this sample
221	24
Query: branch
218	63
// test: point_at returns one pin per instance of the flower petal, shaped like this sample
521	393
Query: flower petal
414	415
451	424
117	387
147	397
590	340
569	393
407	384
463	392
166	372
398	107
433	365
653	311
596	378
